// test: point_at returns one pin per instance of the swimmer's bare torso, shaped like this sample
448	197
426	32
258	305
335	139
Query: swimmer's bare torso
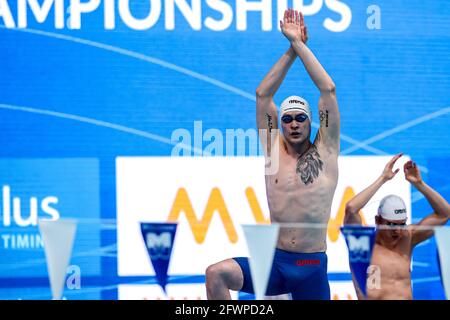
393	267
302	191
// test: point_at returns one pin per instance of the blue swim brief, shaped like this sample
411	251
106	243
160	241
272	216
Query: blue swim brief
304	275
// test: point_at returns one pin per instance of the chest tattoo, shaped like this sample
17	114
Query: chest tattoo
309	165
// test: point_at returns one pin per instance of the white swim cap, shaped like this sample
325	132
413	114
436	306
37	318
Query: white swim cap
392	207
296	103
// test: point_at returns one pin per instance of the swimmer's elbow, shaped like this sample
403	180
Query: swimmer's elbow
445	213
329	88
350	212
262	93
349	208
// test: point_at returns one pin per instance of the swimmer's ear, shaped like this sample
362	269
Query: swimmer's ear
377	219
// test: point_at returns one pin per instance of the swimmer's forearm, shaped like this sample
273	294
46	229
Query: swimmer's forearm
440	206
361	199
276	75
315	70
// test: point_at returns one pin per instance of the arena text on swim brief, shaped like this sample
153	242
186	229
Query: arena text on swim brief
215	15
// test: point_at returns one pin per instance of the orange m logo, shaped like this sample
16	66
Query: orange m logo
334	224
216	203
182	203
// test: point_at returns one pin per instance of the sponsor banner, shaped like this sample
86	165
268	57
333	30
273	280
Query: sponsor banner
211	197
195	15
49	189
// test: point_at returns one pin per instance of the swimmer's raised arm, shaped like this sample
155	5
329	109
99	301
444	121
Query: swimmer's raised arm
360	200
266	111
440	206
295	30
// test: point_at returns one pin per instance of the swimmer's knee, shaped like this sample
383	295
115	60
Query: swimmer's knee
215	274
223	273
212	273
